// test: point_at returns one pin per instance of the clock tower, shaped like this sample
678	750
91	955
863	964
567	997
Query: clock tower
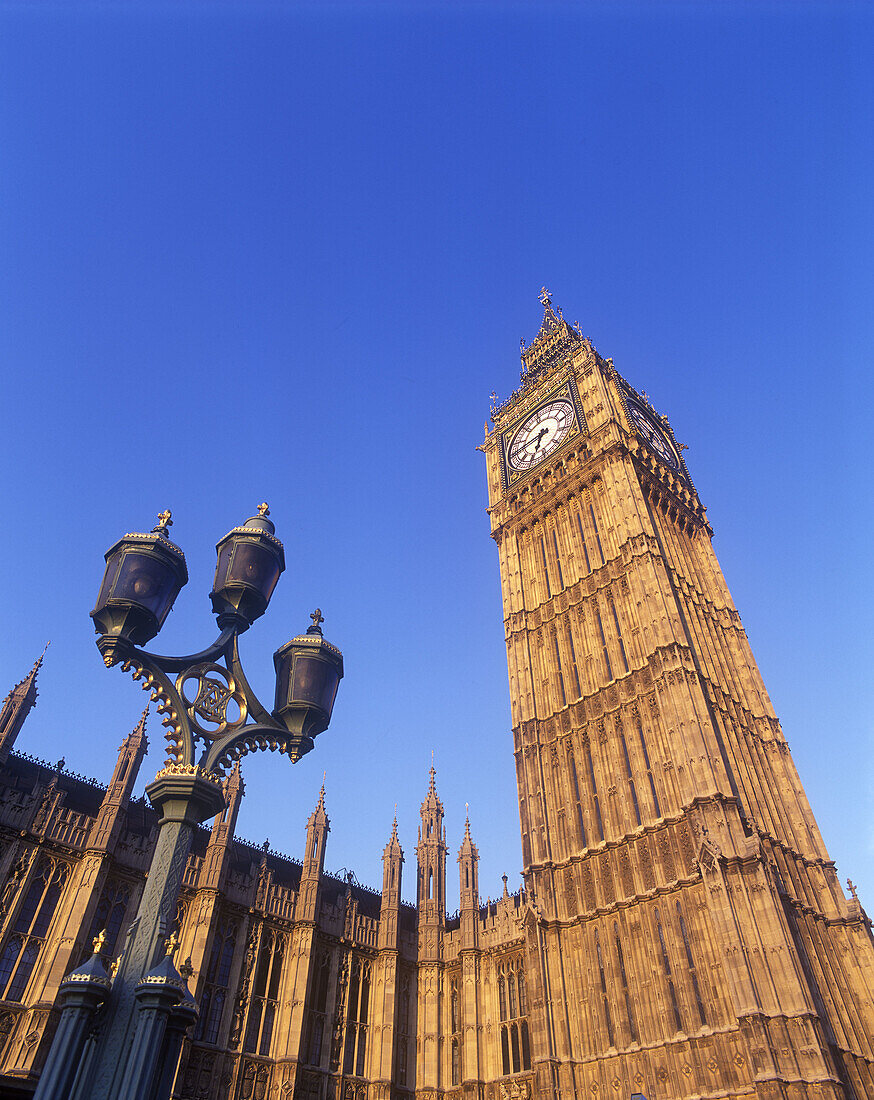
685	923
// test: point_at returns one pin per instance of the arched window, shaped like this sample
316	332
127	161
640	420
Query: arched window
505	1051
514	1046
356	1019
218	974
30	927
502	996
108	917
526	1045
456	1063
265	994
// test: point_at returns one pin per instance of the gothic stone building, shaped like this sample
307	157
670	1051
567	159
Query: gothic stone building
682	933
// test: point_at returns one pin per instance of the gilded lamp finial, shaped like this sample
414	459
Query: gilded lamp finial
98	942
165	520
171	945
263	510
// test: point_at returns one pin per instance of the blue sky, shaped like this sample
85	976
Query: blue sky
284	252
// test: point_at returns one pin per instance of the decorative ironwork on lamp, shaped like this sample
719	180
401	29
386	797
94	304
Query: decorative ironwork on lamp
212	718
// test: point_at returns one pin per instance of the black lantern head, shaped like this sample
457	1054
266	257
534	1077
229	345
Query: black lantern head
250	559
143	577
308	672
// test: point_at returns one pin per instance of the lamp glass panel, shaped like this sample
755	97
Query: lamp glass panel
315	682
255	565
147	581
108	579
221	566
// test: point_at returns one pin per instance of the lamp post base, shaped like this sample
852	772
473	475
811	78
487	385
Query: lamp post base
184	796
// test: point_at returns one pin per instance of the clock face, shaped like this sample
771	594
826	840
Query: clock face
541	433
653	436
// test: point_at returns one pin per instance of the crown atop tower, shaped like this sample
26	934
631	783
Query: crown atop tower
555	341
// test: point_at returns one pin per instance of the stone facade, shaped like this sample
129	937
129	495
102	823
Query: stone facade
308	985
681	934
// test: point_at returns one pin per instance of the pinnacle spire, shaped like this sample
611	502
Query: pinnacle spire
234	781
467	845
432	799
140	727
319	816
393	848
29	681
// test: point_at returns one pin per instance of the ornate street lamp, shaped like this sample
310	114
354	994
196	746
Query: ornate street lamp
213	718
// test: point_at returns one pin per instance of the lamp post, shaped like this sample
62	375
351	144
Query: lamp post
213	718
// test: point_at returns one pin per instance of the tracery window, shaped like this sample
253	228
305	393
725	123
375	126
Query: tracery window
513	1010
265	994
108	918
317	1022
356	1018
215	990
29	929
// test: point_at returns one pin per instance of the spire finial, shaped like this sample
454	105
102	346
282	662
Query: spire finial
263	510
30	678
98	941
172	946
852	888
165	520
545	297
317	618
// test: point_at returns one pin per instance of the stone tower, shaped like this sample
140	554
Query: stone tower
688	929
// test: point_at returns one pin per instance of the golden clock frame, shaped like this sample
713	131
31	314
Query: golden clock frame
567	390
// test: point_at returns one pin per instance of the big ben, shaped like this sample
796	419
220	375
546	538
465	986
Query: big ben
685	923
